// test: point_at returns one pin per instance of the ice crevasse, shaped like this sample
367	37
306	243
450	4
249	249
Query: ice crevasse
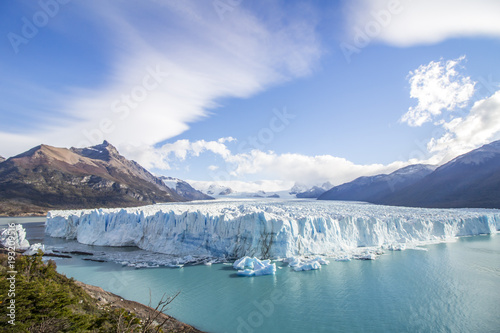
275	229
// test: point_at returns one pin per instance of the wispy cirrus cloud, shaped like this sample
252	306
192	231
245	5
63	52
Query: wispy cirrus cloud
167	64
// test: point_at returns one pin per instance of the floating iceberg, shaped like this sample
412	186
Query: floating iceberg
366	256
397	247
308	266
301	264
225	230
14	237
247	266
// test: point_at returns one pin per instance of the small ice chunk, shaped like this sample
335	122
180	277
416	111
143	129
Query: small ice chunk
321	261
308	266
367	256
300	264
292	261
33	249
397	247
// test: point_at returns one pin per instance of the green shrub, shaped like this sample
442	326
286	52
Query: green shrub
46	301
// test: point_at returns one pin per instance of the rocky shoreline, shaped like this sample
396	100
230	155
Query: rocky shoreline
106	299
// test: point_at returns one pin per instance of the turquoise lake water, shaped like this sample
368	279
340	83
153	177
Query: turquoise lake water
452	287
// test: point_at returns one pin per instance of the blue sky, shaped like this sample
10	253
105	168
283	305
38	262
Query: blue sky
253	93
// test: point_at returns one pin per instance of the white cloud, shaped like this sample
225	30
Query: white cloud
424	21
438	87
168	70
245	186
160	158
302	168
257	164
479	127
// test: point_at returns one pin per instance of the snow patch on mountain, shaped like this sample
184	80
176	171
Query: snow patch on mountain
479	155
184	189
311	193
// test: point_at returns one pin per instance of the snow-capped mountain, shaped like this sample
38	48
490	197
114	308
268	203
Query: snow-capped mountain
2	159
213	189
298	188
470	180
183	189
47	177
482	155
314	191
374	188
249	190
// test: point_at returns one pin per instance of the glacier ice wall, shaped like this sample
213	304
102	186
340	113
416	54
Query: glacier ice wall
272	229
14	236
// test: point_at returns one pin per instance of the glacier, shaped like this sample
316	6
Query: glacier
269	229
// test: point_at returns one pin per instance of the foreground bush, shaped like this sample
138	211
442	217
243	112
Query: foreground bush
46	301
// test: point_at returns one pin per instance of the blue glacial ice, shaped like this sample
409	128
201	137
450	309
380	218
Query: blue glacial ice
33	249
14	237
304	264
247	266
227	230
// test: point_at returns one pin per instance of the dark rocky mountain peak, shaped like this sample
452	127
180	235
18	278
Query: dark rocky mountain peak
471	180
104	151
477	156
47	177
374	188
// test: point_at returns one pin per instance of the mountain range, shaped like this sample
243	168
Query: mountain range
183	189
470	180
311	193
47	177
374	188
